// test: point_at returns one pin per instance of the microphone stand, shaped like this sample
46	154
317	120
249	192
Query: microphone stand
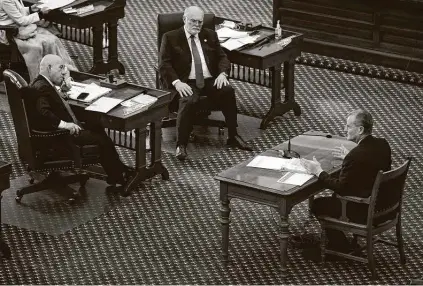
289	154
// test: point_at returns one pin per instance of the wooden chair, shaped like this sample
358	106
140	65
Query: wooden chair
45	151
384	213
172	21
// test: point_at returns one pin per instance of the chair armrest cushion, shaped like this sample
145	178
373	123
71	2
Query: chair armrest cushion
53	133
354	199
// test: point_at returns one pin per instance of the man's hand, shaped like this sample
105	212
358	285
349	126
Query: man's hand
44	10
221	81
35	8
183	89
72	127
340	152
313	167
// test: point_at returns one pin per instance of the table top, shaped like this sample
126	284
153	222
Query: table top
116	118
268	54
307	145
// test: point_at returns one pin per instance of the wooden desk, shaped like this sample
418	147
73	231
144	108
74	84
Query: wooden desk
130	131
261	186
263	66
90	28
5	170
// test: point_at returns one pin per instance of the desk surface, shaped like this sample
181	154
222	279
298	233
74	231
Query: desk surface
266	180
265	56
116	119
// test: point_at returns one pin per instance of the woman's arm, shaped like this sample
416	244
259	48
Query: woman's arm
9	6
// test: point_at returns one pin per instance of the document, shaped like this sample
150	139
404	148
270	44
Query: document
296	179
138	103
233	44
276	163
104	104
225	32
54	4
94	91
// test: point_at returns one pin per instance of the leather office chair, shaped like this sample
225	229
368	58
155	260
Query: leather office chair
10	57
172	21
45	151
384	213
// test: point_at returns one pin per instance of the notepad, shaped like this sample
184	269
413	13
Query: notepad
296	179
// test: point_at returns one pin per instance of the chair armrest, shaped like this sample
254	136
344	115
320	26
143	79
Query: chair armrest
53	133
345	199
11	30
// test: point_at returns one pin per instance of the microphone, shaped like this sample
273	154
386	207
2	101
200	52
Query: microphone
289	154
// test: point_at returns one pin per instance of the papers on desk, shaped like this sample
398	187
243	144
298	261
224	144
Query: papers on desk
233	44
296	179
54	4
226	32
276	163
94	91
104	104
138	103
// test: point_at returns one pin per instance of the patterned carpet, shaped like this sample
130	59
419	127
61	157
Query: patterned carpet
168	232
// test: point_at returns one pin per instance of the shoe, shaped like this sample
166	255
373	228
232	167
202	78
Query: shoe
181	152
239	143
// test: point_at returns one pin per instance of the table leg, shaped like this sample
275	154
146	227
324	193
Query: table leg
225	211
113	61
277	107
283	240
98	64
156	150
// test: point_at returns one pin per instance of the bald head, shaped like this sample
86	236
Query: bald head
54	68
193	19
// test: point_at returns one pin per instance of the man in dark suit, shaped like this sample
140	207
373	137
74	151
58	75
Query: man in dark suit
48	110
192	62
359	170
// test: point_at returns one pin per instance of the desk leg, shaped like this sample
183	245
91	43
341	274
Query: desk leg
98	64
283	240
156	150
140	161
113	61
277	107
225	211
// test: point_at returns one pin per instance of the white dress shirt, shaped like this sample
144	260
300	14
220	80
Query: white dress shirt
206	71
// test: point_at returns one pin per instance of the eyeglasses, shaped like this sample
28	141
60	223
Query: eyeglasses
193	21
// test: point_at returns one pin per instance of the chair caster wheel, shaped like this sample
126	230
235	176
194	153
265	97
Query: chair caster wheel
18	199
31	181
221	131
71	201
165	175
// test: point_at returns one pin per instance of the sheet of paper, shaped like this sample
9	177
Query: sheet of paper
230	33
104	104
54	4
232	44
276	163
296	179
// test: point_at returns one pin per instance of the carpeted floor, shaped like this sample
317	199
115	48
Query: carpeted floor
168	232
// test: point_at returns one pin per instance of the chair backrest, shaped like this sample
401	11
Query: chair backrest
16	87
387	194
172	21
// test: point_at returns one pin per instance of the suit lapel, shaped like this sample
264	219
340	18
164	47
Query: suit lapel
204	46
184	43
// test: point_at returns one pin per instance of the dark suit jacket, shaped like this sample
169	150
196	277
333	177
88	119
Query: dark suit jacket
44	106
175	55
359	168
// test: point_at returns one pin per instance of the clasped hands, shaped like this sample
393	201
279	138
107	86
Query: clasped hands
185	90
315	168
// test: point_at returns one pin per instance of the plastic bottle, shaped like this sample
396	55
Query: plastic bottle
278	31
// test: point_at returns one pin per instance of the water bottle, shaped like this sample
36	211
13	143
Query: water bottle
278	31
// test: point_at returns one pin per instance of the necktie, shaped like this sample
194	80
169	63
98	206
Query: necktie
199	77
69	109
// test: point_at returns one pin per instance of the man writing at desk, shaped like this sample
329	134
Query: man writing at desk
358	173
50	111
193	62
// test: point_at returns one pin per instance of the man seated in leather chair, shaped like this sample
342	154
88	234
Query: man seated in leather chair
193	62
48	110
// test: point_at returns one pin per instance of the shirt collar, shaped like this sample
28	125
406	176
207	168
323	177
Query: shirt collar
188	35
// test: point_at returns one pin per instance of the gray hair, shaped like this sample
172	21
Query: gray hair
363	118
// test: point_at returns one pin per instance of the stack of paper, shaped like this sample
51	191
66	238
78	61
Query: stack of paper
234	39
276	163
137	103
94	91
296	179
104	104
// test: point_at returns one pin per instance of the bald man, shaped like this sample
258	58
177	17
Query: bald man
48	110
192	62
